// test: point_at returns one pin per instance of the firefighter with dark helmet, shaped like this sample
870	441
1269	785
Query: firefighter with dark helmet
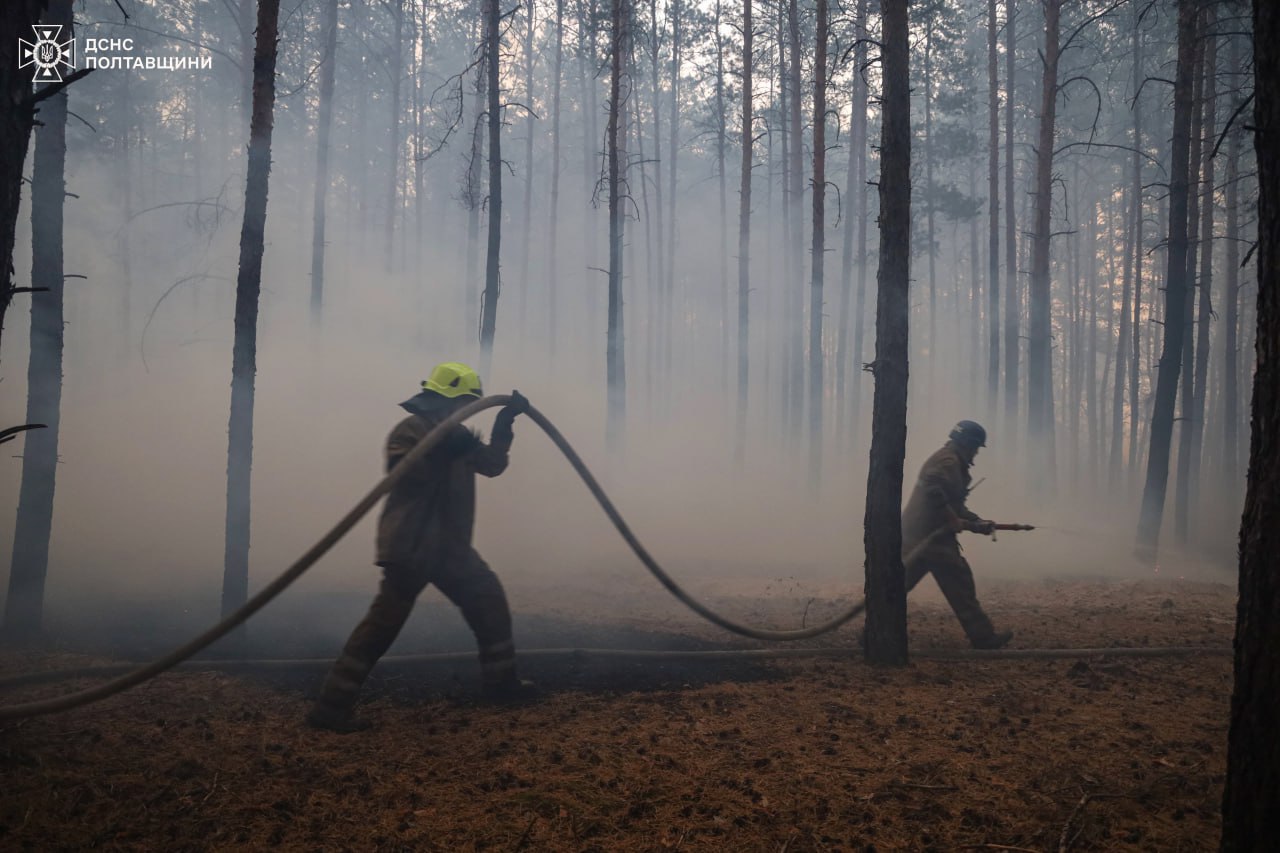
934	514
424	537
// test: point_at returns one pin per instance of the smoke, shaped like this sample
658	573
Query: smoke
140	502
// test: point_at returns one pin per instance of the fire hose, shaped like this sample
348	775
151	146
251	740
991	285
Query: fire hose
168	661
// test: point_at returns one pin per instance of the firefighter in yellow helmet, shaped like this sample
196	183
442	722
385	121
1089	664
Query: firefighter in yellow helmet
424	537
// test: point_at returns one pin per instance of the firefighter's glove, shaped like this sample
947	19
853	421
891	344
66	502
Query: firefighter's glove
986	528
519	404
502	432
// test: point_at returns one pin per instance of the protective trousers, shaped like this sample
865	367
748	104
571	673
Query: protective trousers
955	579
466	581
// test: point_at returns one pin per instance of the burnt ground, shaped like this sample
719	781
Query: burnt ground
1106	754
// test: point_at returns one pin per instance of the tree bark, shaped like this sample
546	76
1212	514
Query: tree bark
1252	796
1161	433
24	606
886	631
235	578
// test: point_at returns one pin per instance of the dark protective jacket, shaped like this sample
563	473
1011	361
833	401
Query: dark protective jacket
430	513
943	483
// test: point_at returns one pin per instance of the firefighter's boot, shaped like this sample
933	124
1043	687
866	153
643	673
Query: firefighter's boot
994	640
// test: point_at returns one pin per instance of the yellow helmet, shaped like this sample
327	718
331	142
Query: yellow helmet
454	379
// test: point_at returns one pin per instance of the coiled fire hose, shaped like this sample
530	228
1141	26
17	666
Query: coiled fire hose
339	530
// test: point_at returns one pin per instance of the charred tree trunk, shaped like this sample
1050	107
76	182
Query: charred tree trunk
1040	332
324	123
615	364
1252	796
993	203
16	120
235	578
1153	494
744	237
818	245
24	607
526	221
886	632
492	281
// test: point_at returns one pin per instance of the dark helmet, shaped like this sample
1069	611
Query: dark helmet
969	433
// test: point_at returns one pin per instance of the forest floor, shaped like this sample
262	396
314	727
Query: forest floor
795	755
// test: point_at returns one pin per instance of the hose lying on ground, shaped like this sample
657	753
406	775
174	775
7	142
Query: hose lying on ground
137	676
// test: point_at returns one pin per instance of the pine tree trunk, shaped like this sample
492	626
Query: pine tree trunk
324	123
526	223
886	631
1012	305
1251	800
859	308
235	578
615	351
1039	362
492	281
553	240
744	237
1205	301
1187	394
16	121
393	135
854	188
721	132
818	250
794	381
929	239
1161	433
1139	221
993	205
672	170
24	606
1231	307
673	142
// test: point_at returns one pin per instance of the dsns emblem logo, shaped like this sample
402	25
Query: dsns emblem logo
48	54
